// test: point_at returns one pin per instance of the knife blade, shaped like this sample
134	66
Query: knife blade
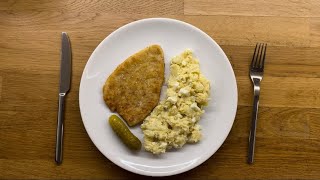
65	81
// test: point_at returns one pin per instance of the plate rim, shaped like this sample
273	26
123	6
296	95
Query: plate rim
201	160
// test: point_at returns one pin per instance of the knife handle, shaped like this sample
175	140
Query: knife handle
59	141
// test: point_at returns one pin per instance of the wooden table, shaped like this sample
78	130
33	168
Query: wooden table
288	141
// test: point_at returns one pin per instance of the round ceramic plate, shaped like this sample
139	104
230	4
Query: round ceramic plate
174	37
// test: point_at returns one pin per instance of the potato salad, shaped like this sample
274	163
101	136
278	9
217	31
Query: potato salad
174	122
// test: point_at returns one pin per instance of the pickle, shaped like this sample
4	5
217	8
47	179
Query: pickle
123	132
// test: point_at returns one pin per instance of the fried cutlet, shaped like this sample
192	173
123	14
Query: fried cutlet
134	88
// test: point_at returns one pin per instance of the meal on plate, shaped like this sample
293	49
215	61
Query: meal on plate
174	122
133	89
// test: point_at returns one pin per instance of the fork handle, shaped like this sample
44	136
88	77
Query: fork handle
254	119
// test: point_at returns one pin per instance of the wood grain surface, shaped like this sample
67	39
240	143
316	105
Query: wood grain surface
288	141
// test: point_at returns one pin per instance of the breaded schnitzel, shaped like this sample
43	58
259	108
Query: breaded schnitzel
133	89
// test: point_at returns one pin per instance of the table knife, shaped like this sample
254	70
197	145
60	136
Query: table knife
65	80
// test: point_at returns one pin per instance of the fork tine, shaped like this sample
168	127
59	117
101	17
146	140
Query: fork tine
264	55
259	61
253	57
258	57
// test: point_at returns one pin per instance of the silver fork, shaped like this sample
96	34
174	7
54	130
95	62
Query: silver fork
256	74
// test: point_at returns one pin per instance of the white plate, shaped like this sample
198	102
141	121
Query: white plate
174	37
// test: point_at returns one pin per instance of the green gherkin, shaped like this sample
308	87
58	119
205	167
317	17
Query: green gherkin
119	127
